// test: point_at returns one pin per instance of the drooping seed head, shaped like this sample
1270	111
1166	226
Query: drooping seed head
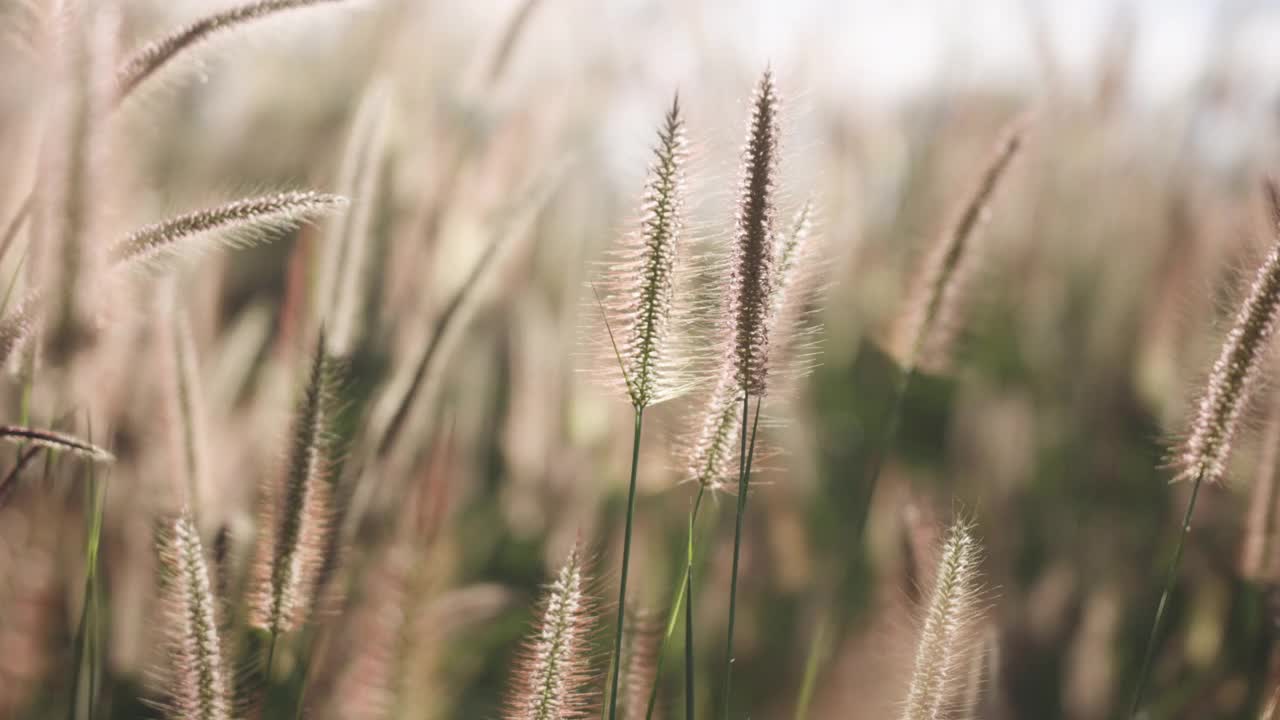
946	638
296	514
55	441
196	677
553	678
751	276
640	285
937	300
1235	372
235	224
155	55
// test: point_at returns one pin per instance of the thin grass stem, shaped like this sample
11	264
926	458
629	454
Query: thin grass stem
1171	577
744	481
689	694
818	649
626	566
686	582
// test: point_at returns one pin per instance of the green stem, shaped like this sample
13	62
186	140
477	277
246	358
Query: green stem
744	475
626	567
1171	577
266	673
84	645
686	581
689	695
817	651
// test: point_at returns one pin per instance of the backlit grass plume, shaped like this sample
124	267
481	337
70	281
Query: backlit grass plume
1234	373
947	641
153	56
296	514
240	223
640	287
709	455
1213	428
749	305
751	270
198	683
936	301
553	679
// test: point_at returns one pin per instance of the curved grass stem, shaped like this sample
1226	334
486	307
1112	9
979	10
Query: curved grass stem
1170	578
626	567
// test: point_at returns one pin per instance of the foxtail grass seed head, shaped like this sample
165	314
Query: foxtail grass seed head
799	270
55	441
947	639
936	302
710	456
18	325
198	682
1234	373
553	680
296	516
155	55
241	223
751	277
640	286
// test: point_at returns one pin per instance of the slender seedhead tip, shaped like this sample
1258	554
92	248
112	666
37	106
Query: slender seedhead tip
553	679
198	683
1235	372
946	638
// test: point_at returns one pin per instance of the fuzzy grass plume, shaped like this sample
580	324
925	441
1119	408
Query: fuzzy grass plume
198	682
936	302
150	58
938	679
554	680
236	224
708	457
1203	458
1236	370
640	287
296	515
751	273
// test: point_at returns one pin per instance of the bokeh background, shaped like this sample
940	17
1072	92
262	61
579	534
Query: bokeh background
1113	256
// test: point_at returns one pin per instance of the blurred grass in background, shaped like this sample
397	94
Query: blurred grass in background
1110	264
